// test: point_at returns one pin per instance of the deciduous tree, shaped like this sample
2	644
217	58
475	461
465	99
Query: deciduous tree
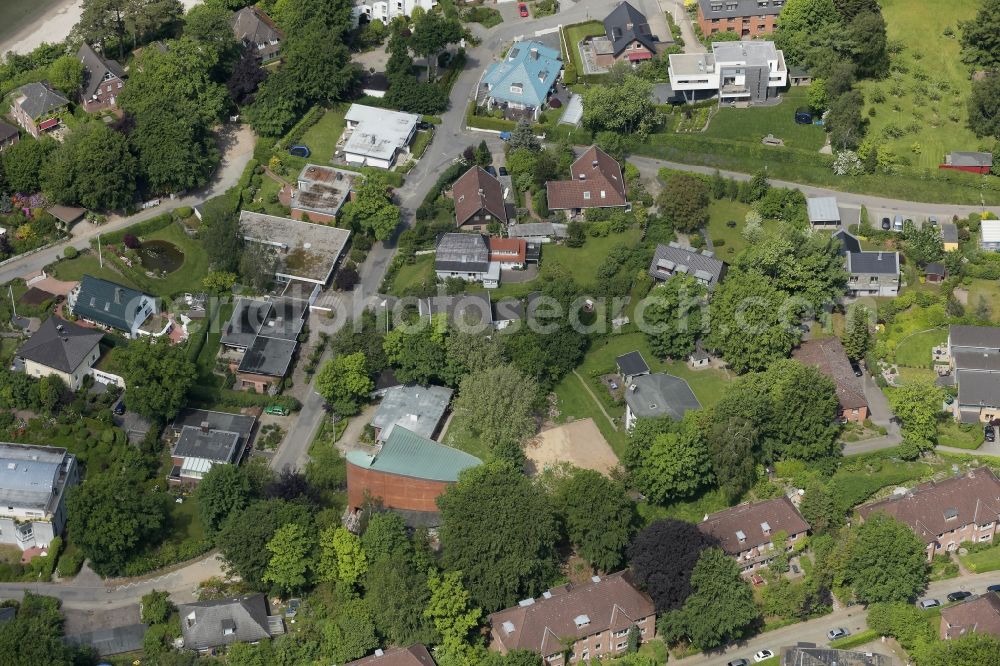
158	374
626	107
225	490
244	536
674	463
600	518
66	75
984	107
454	616
886	561
662	557
684	202
673	316
398	593
344	383
496	406
371	208
917	404
342	556
721	606
980	37
93	167
289	565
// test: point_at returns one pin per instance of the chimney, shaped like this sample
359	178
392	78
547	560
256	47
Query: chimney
594	164
534	54
204	426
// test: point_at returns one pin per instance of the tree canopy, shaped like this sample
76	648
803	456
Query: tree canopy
344	382
496	406
886	561
673	316
663	556
158	374
600	518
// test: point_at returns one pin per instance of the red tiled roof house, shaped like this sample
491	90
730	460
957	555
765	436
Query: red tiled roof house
981	615
947	513
595	616
746	532
596	181
509	252
415	655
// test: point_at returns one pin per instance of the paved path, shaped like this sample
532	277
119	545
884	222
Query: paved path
676	9
985	449
237	144
880	414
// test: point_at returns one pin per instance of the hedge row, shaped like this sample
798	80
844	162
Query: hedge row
166	555
860	638
138	229
482	122
294	135
231	398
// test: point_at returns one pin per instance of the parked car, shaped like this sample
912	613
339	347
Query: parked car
739	662
505	136
119	408
503	171
492	170
959	595
424	125
856	367
897	223
886	224
993	588
932	220
522	9
989	434
763	655
300	151
928	603
839	632
276	410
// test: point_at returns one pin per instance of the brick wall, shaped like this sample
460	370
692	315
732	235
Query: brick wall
397	492
756	25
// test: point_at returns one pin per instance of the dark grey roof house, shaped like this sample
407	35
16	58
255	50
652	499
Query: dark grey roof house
872	273
110	304
975	358
209	624
674	258
34	106
632	365
62	348
8	135
658	395
625	25
465	253
195	418
116	640
267	334
102	79
255	29
216	439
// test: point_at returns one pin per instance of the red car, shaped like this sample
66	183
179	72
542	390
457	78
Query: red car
522	9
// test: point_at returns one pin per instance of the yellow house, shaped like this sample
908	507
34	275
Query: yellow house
63	349
949	235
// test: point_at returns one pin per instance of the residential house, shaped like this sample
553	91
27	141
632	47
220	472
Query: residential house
365	11
631	365
989	238
255	29
746	532
747	18
968	161
945	514
827	354
415	655
979	614
752	72
874	273
103	80
510	253
627	38
935	272
657	395
419	409
538	232
823	211
376	137
479	200
264	335
949	236
8	135
808	654
206	625
974	357
589	620
321	192
36	108
521	83
213	441
304	251
405	473
33	485
673	259
596	181
112	640
112	305
471	312
466	256
61	348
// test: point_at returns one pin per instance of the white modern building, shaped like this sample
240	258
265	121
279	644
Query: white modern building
989	239
751	72
374	137
386	10
33	483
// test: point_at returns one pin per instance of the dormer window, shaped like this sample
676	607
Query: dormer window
581	621
586	195
765	527
741	536
950	513
516	88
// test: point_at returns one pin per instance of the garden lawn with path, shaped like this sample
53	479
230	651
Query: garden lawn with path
983	559
753	124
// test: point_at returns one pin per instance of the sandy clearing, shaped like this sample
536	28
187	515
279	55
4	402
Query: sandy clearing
579	443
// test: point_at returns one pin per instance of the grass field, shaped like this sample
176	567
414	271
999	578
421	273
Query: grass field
321	139
575	34
950	433
753	124
719	213
420	271
983	561
915	350
933	69
988	289
269	189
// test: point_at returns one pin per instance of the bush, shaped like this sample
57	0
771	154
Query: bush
70	252
183	213
69	563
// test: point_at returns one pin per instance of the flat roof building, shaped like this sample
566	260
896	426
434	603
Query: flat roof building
377	136
653	396
418	408
33	484
321	192
741	71
305	251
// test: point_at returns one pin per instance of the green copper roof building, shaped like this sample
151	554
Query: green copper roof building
406	453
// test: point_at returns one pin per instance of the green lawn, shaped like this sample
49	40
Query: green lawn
409	275
939	124
988	289
575	403
950	433
268	196
575	34
420	143
692	510
321	139
582	261
86	263
982	561
722	211
915	350
753	124
464	441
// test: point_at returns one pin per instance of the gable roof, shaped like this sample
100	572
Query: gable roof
512	250
60	344
38	99
462	252
418	408
253	26
415	655
537	229
108	303
977	337
848	242
676	258
205	624
406	453
990	231
737	8
949	232
626	24
7	132
878	263
116	640
981	614
935	268
268	356
95	68
596	181
656	395
632	364
828	355
750	520
477	190
532	66
238	423
611	603
981	389
936	507
807	654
